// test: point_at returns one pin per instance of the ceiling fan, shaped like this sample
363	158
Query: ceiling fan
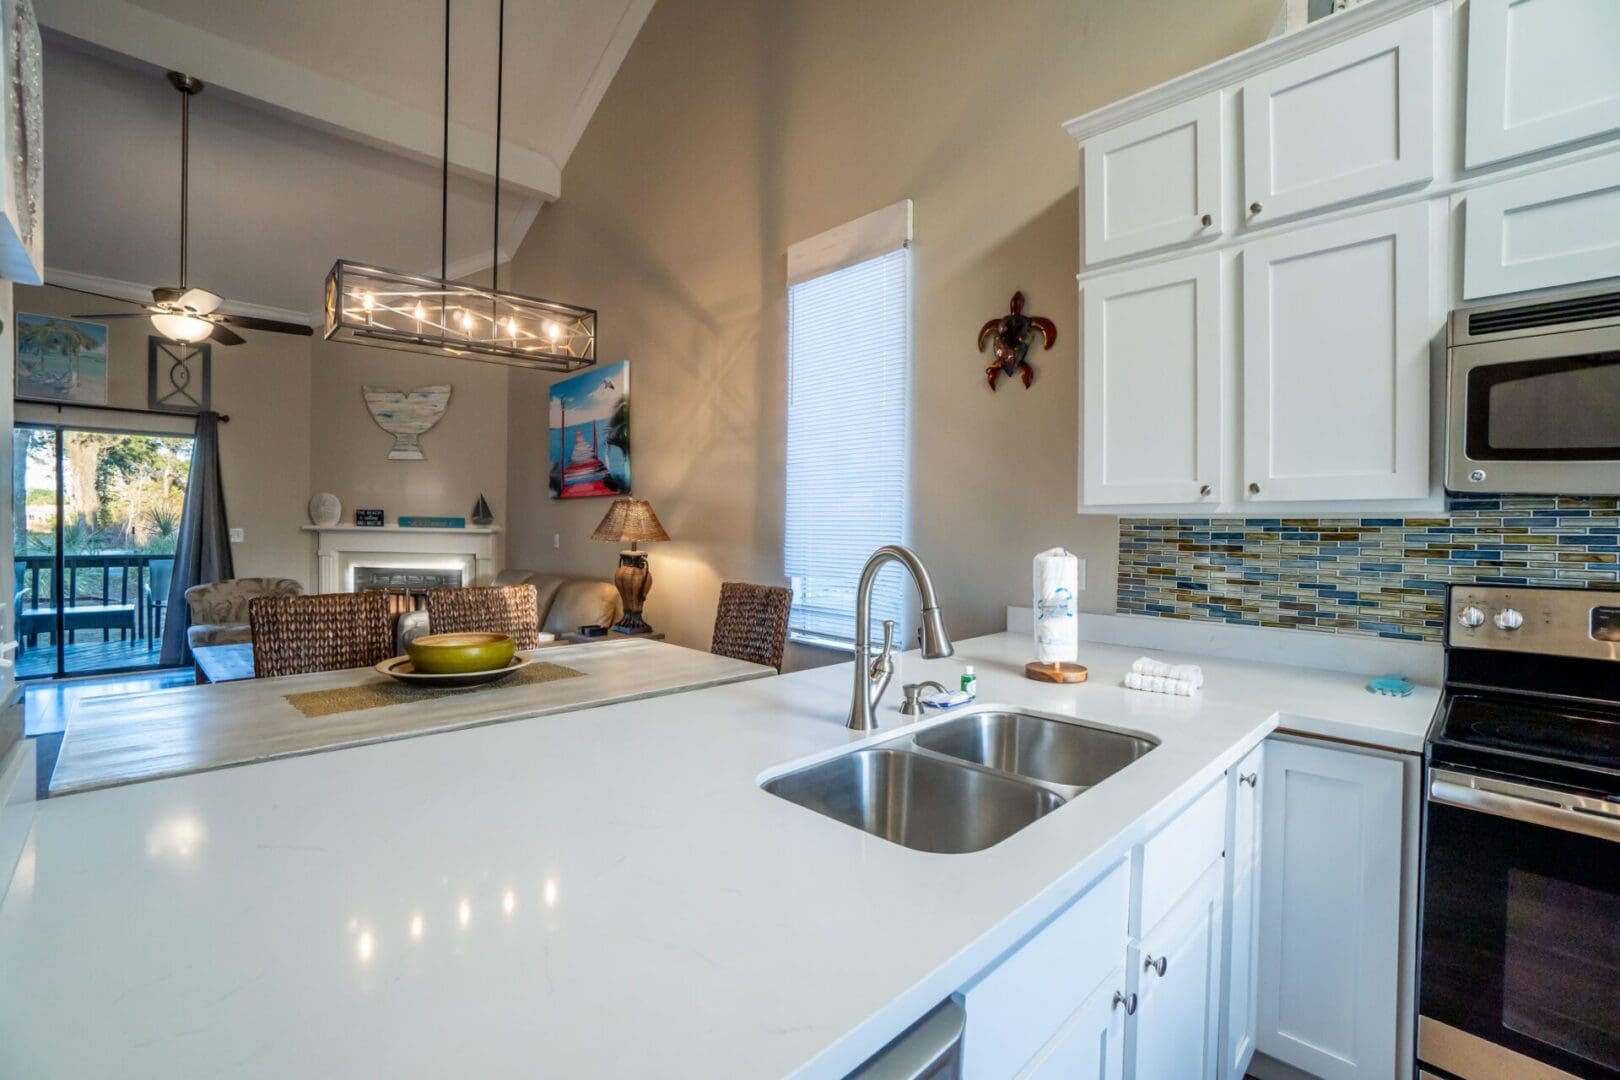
187	314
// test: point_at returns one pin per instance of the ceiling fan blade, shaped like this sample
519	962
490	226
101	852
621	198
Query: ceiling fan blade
248	322
167	294
200	301
224	335
117	315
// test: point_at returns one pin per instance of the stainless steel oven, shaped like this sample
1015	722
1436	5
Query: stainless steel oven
1519	963
1533	397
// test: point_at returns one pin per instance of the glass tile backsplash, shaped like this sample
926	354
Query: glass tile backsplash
1376	576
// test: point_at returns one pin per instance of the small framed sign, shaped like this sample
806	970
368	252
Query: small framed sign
368	517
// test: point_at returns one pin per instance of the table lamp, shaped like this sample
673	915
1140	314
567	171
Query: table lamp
632	520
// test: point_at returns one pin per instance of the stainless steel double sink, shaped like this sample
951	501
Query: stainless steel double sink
965	784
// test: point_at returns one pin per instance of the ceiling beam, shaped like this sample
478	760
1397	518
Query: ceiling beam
305	96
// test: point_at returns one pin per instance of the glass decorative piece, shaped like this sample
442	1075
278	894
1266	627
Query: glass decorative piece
372	306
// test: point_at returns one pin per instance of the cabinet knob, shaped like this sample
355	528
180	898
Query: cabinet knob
1254	489
1156	966
1207	220
1249	778
1255	208
1204	489
1127	1000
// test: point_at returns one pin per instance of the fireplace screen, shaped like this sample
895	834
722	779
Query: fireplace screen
404	579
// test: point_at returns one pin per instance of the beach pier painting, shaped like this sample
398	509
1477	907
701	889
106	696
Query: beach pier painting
589	437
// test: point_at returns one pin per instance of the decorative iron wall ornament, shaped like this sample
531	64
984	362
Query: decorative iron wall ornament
179	376
1011	334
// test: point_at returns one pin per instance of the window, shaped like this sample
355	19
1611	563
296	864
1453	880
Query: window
849	421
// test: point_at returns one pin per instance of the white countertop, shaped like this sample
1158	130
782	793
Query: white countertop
135	737
601	893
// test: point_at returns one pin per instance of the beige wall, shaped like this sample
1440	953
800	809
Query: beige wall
736	128
262	385
299	425
464	454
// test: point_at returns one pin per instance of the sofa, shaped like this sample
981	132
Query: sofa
564	603
219	609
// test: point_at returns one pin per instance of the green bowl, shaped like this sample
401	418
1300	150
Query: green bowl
460	654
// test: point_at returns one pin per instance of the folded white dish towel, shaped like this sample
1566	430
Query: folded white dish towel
1187	673
1159	684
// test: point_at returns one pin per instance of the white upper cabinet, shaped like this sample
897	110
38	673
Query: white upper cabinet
1152	384
1353	120
1543	229
1155	182
1337	321
1541	73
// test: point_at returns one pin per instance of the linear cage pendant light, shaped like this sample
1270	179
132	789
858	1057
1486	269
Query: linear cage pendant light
417	313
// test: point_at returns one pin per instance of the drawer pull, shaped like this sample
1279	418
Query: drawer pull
1127	1000
1206	221
1156	966
1204	490
1252	779
1254	208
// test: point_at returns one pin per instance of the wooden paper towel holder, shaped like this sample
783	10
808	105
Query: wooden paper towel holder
1058	671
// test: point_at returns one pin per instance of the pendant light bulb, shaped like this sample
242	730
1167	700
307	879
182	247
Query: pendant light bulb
553	331
367	301
420	312
182	327
511	327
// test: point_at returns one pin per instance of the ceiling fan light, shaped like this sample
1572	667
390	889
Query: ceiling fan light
182	327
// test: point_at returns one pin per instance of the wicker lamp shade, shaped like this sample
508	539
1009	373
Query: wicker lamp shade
632	520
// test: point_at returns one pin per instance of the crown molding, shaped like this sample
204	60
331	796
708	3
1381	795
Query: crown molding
1236	68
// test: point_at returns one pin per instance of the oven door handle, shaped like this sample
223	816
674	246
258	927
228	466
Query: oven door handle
1561	810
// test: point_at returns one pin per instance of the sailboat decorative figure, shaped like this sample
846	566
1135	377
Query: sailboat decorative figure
481	513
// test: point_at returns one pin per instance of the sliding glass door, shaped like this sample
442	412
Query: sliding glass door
96	517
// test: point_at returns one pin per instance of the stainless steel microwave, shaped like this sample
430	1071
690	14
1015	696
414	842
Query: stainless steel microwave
1533	397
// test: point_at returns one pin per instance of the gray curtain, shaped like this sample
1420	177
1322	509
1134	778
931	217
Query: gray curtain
203	553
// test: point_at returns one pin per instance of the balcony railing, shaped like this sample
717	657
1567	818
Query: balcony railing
106	593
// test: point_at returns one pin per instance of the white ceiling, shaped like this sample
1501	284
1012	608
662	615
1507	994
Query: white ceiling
318	137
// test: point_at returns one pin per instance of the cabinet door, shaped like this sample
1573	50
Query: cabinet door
1545	229
1155	182
1337	322
1153	368
1350	121
1242	915
1177	1023
1330	909
1091	1043
1541	73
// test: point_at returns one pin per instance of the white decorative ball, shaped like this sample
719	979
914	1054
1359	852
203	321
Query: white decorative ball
325	510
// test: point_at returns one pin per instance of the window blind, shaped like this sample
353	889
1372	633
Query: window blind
848	442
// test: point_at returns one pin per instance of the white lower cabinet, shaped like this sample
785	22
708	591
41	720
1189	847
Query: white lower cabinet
1175	1032
1242	913
1091	1043
1330	955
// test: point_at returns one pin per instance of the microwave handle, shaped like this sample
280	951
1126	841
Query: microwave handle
1520	802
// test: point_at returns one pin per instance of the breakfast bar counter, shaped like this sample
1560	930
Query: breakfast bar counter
135	737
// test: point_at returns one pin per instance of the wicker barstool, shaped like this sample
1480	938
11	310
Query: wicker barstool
325	632
492	609
751	622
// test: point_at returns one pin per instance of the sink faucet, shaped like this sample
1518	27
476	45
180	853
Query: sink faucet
872	674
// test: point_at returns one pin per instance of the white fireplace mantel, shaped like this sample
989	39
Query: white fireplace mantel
341	548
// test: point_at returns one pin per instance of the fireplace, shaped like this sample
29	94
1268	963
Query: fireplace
404	561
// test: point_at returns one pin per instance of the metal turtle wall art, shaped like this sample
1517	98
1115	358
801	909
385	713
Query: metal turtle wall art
1011	334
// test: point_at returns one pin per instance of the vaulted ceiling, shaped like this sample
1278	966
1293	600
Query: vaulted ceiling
318	137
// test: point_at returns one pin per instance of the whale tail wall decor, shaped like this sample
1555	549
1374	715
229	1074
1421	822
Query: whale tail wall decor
407	416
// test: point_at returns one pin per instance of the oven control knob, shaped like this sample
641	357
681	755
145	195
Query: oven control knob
1471	617
1509	619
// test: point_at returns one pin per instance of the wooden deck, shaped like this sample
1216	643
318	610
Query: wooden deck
88	654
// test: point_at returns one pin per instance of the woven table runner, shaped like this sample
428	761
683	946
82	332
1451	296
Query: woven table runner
376	695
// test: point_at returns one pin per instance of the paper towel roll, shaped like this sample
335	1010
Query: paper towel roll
1057	631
